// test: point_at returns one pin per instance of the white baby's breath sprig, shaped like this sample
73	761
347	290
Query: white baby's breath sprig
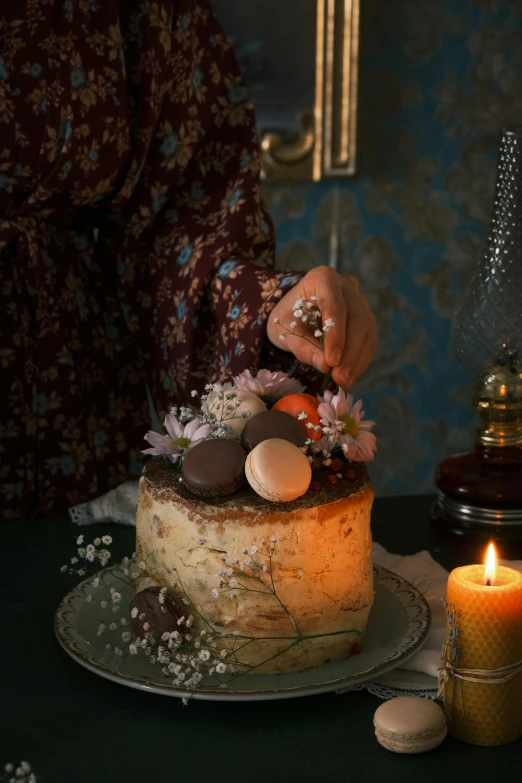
21	773
307	312
218	406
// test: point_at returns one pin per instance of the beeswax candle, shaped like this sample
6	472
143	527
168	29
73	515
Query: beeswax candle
488	616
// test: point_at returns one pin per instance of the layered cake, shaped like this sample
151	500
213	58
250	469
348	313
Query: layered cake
321	562
253	530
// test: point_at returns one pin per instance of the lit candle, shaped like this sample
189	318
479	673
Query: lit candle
486	602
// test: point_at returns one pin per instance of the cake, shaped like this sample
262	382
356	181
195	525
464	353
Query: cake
254	547
317	550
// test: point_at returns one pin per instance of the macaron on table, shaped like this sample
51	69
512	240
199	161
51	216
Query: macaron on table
410	724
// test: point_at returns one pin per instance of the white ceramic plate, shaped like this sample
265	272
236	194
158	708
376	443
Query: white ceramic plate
398	627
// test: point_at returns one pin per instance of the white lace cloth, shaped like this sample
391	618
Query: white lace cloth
118	505
418	676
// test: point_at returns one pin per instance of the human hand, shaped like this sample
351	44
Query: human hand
349	345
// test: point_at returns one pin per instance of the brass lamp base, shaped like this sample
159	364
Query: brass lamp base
480	492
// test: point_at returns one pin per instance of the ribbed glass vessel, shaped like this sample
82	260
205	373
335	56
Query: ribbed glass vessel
487	327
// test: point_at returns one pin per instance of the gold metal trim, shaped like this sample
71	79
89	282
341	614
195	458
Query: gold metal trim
340	94
319	88
326	147
276	151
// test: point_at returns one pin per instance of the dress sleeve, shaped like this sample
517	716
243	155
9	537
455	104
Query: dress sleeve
243	297
197	237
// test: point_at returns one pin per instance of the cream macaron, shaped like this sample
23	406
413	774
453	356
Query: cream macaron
278	470
410	724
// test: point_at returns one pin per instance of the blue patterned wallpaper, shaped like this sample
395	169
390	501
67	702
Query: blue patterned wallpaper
438	78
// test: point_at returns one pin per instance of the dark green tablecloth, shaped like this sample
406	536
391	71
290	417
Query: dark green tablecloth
74	726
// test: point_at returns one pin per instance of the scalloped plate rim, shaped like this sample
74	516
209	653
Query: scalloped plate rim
382	576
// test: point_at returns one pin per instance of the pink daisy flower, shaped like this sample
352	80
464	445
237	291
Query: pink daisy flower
179	439
268	385
343	424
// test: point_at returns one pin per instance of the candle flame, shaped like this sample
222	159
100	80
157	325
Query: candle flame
490	571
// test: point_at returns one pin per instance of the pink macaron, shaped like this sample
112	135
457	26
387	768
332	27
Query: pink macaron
278	470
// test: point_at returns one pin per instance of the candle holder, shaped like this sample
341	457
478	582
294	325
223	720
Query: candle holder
480	492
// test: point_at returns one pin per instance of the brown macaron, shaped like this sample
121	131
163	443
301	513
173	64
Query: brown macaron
272	424
214	468
158	613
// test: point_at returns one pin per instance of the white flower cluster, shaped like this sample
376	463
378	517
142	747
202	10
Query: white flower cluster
218	406
307	312
20	774
186	414
103	628
230	577
89	553
190	657
188	654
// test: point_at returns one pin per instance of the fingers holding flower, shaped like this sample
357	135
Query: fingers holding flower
334	319
360	344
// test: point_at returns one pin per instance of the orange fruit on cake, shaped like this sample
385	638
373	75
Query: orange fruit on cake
294	404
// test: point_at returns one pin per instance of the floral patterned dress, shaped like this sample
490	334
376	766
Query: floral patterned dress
134	247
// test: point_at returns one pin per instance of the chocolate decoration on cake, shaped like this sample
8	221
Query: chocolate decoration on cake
161	617
214	468
272	424
167	482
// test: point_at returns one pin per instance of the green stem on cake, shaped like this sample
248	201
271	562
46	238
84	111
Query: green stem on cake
128	582
270	590
267	660
235	650
300	638
295	642
298	632
277	597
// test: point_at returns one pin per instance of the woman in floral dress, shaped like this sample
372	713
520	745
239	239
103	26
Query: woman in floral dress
135	249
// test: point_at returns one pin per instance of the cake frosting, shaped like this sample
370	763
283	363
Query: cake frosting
317	550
